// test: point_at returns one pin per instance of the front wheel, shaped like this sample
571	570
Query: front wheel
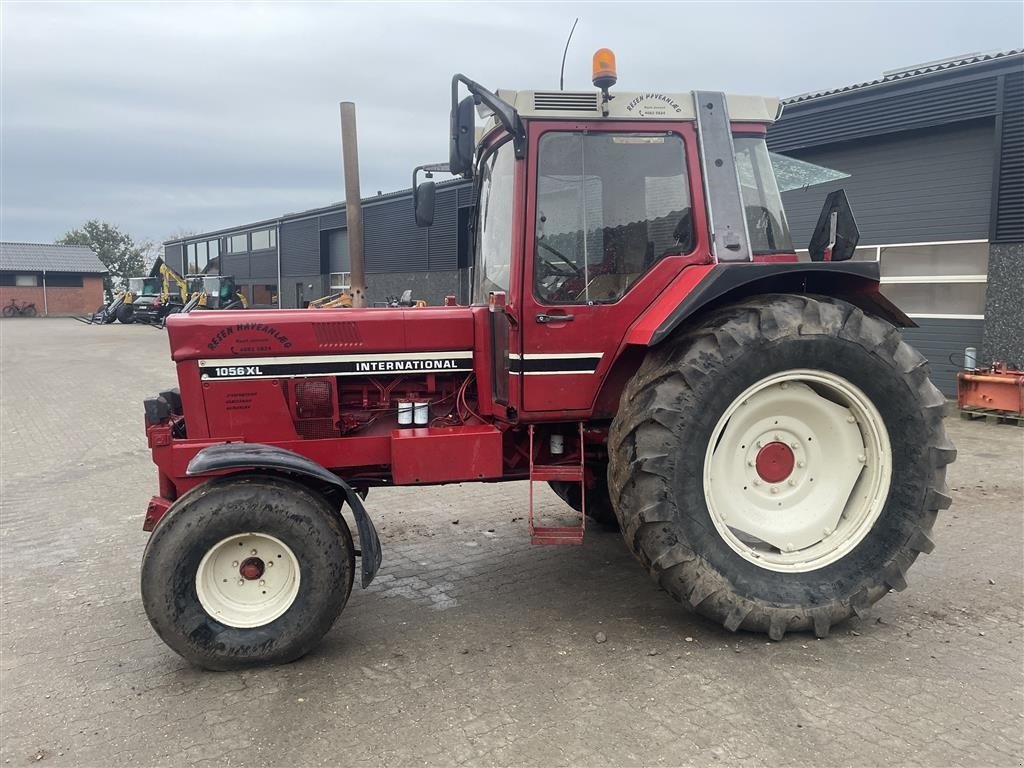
247	570
780	466
9	310
125	314
29	310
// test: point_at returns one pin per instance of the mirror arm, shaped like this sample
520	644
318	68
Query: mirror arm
505	112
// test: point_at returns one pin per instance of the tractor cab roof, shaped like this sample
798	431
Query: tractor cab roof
627	105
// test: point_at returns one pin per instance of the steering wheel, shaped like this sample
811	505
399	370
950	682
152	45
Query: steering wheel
556	267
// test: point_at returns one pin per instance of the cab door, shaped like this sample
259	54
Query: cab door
609	223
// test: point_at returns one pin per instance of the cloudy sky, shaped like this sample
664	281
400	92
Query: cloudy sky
164	118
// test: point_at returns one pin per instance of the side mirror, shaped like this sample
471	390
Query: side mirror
423	203
463	137
836	236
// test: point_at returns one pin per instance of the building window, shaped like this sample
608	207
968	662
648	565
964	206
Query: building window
264	239
63	280
341	281
238	244
26	281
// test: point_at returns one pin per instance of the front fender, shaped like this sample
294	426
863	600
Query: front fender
853	281
218	458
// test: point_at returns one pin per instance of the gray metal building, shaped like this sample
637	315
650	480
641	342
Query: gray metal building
306	253
935	157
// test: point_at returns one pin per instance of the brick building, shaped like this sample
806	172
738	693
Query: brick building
59	279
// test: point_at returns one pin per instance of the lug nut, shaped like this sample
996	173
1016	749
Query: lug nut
270	563
252	552
760	443
792	481
263	583
801	463
783	385
775	489
862	458
776	436
750	462
827	531
234	564
241	582
794	446
756	481
851	419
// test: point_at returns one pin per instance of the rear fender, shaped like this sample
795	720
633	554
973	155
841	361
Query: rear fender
853	281
227	456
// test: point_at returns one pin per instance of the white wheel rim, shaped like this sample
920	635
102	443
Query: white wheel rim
832	440
248	580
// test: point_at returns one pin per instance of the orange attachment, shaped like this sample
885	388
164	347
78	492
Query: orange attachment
998	389
604	68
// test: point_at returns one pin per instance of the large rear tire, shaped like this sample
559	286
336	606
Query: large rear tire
247	570
722	434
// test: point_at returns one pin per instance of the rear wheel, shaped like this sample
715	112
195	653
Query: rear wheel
247	570
29	310
9	310
780	466
125	314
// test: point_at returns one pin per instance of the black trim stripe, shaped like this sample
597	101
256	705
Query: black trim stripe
268	368
554	365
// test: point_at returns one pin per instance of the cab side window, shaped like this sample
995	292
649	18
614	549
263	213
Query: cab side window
609	207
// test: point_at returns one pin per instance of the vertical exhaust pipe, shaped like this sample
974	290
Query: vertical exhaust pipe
353	202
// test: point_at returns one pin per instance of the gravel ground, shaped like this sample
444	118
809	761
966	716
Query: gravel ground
472	647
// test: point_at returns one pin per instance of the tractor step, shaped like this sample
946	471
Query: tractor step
551	535
567	473
547	473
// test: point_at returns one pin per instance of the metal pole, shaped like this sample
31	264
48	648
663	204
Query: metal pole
353	204
277	241
46	307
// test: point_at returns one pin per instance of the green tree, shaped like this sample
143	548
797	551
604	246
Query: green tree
118	252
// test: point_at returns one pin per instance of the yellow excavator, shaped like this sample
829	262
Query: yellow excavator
334	301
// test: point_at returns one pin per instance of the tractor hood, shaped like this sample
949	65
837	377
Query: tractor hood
208	334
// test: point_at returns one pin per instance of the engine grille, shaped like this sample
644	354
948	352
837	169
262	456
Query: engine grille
340	335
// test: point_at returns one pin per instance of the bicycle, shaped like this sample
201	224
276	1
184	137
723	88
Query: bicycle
22	310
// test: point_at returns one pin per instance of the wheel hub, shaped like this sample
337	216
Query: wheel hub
248	580
774	462
251	568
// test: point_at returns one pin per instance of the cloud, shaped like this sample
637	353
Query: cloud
163	117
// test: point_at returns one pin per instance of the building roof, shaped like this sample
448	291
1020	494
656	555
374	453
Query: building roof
917	70
48	257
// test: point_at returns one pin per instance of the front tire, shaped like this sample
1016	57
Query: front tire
125	314
247	570
722	510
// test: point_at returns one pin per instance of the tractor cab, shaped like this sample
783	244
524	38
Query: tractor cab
588	204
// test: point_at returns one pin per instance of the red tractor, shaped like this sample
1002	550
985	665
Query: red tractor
642	336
